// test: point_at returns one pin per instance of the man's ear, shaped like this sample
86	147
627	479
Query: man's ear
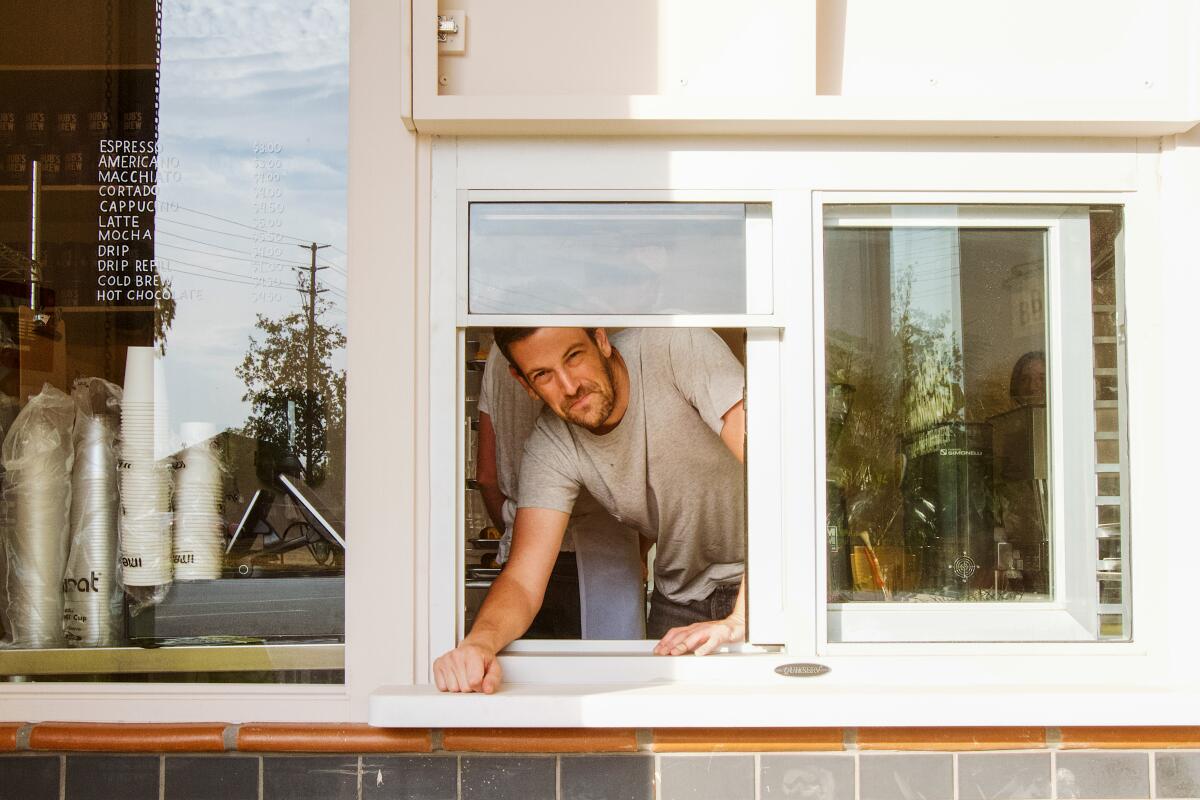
603	343
516	373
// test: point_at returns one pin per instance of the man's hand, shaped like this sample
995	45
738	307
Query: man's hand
467	668
702	637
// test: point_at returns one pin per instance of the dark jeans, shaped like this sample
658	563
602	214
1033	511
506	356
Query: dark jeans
558	617
666	614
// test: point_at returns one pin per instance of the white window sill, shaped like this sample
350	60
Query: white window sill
744	691
736	706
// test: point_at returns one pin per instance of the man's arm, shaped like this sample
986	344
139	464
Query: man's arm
733	430
486	474
704	637
511	604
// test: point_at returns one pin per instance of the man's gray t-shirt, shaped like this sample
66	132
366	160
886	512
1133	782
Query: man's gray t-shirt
664	469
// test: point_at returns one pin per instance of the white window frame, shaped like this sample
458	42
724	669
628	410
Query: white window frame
449	289
1073	613
1149	680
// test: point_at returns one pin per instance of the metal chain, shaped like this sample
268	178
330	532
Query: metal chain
110	343
158	23
108	62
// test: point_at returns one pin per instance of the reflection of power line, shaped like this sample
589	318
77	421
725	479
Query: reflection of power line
223	256
234	249
233	258
241	224
209	277
161	219
174	260
525	295
236	279
198	241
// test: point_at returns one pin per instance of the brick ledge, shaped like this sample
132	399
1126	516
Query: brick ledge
358	738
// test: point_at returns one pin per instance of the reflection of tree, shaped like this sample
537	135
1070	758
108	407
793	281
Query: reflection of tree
930	360
905	385
164	314
283	412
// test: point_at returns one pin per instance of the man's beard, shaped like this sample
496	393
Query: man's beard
603	398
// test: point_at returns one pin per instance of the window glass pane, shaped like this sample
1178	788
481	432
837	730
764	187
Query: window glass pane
1108	451
1106	355
1104	323
615	258
938	440
172	235
938	336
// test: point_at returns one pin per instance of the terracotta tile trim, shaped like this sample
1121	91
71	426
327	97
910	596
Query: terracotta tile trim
8	735
955	739
746	740
128	738
332	738
352	738
1131	738
541	740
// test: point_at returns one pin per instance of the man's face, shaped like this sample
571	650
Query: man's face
570	372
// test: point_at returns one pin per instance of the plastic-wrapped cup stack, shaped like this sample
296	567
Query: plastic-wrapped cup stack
145	483
37	485
199	511
93	614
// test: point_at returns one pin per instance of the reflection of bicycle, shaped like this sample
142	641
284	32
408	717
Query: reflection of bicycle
295	536
314	532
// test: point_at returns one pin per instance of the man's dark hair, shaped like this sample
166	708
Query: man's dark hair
506	337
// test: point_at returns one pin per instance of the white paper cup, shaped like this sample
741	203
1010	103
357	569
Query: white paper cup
139	375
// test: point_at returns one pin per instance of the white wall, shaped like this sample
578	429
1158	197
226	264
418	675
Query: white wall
1108	49
940	67
632	47
779	48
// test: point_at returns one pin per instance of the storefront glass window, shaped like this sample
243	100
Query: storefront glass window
951	342
172	324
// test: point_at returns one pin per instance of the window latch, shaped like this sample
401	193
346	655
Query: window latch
451	32
447	27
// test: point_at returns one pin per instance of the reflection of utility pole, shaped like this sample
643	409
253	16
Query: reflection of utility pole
310	360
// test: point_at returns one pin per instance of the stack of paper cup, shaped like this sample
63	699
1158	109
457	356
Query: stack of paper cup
93	613
37	458
199	510
145	485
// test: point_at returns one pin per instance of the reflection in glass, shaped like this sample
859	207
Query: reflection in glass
172	278
609	258
938	472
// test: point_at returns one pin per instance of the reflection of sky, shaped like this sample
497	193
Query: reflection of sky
236	74
607	258
930	258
